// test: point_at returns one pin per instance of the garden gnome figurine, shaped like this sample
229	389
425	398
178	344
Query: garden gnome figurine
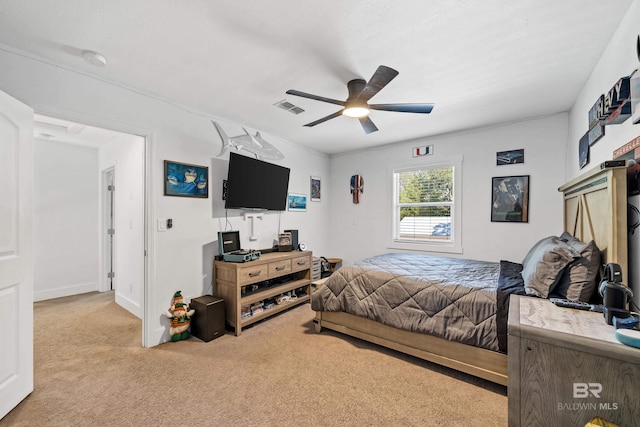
179	317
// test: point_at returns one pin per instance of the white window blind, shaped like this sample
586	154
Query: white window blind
424	204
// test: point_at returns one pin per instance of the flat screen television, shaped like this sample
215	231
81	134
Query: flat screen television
256	184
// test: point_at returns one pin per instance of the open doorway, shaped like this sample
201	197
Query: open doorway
89	223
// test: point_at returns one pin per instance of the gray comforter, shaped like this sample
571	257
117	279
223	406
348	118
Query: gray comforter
450	298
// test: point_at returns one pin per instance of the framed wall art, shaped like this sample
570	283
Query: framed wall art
510	157
510	199
185	180
297	202
316	184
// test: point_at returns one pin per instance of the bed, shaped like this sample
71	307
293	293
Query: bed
454	312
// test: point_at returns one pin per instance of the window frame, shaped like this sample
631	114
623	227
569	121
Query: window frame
452	246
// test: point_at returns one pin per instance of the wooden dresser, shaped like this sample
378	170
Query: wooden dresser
248	283
566	367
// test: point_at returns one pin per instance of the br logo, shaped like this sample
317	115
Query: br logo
584	390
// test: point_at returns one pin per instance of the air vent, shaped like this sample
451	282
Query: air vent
286	105
59	126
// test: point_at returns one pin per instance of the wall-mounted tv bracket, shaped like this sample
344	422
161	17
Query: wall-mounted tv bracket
252	217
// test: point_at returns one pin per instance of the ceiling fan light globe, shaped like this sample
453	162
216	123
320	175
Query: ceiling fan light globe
357	112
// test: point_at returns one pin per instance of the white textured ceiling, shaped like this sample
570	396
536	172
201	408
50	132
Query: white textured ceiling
480	62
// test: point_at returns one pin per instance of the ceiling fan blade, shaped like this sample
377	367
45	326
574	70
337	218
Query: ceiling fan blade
404	108
380	79
324	119
315	97
367	125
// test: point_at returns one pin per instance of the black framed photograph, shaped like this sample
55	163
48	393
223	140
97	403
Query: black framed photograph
583	152
185	180
510	157
510	199
316	183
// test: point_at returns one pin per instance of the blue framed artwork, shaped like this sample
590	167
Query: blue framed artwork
297	202
185	180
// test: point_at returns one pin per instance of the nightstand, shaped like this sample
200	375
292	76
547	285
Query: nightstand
566	367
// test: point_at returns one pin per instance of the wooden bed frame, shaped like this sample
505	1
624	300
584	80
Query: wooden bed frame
595	207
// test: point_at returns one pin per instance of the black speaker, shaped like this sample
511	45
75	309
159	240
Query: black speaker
294	238
208	322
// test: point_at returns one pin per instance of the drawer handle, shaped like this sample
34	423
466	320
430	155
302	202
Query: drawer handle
282	267
254	274
302	262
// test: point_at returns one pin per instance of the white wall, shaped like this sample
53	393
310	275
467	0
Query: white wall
179	259
65	219
620	59
363	230
125	154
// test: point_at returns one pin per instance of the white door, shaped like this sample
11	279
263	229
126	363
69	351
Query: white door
16	252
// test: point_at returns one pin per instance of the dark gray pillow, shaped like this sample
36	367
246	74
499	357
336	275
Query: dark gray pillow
544	264
579	280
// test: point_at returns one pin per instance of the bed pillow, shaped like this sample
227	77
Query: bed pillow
544	264
579	280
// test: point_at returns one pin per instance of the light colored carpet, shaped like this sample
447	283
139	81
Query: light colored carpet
90	369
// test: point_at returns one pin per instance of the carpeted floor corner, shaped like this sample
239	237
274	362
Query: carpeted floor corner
90	369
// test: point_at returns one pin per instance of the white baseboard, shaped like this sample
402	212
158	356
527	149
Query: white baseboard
129	305
64	292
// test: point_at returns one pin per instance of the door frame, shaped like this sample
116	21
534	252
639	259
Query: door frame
107	262
149	236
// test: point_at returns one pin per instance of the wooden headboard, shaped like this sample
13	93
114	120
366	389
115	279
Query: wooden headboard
595	208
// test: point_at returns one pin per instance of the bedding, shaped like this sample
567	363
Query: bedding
580	278
461	300
450	298
543	265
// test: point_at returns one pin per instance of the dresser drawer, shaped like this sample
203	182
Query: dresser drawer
279	268
301	263
252	274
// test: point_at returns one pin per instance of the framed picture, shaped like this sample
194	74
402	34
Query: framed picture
583	151
510	199
315	188
510	157
284	242
185	180
297	202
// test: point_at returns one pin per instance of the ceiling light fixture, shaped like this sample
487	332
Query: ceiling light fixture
355	110
94	58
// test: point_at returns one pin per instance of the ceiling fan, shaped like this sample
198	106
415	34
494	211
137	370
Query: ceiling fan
360	92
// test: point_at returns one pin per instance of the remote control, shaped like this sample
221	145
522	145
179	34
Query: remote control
579	305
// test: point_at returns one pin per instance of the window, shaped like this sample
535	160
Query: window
426	207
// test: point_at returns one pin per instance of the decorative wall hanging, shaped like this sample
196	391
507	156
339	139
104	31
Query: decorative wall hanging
425	150
510	157
357	187
297	202
316	184
635	99
583	152
252	143
510	199
185	180
611	108
631	153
